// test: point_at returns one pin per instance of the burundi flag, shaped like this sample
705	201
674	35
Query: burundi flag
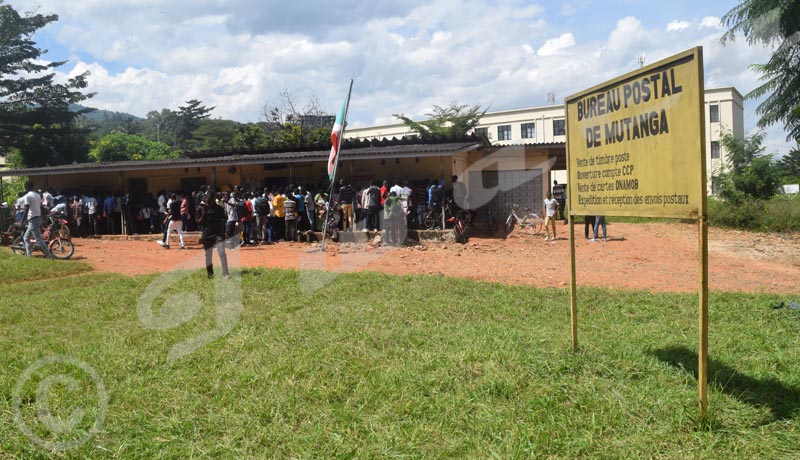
337	133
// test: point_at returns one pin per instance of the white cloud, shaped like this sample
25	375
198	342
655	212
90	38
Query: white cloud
405	55
556	45
712	22
677	25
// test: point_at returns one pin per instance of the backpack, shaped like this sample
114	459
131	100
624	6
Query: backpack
262	208
241	209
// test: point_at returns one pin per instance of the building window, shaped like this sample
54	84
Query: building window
559	128
713	113
482	132
528	130
714	149
504	133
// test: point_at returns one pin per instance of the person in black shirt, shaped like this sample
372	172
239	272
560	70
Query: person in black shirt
211	219
346	196
175	222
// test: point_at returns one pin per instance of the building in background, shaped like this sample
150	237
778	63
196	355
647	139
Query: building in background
546	126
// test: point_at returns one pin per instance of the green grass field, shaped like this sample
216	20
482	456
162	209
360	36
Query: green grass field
376	366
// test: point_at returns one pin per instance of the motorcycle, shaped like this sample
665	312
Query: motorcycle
60	248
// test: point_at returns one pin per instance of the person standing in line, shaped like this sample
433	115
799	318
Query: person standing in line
185	210
91	209
280	215
118	210
321	202
373	194
108	213
391	216
588	222
290	217
77	216
384	192
162	209
33	210
550	208
598	221
346	196
308	198
406	196
230	223
211	218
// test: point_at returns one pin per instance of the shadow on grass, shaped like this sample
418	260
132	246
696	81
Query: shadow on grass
782	400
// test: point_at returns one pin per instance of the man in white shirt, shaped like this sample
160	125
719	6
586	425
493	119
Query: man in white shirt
550	208
33	209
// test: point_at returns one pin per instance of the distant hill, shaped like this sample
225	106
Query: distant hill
99	115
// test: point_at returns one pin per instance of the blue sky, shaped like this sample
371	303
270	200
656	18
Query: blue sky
405	55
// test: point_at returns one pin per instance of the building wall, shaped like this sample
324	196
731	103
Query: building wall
730	105
728	99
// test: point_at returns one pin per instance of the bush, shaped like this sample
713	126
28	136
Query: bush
778	214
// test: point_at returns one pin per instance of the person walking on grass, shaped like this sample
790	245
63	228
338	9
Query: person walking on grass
211	218
174	221
32	203
550	208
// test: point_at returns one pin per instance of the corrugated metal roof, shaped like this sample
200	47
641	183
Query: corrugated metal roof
375	152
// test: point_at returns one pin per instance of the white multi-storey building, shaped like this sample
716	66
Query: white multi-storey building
547	125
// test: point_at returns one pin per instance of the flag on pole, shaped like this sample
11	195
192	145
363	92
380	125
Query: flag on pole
337	133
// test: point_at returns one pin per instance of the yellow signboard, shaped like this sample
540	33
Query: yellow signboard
636	144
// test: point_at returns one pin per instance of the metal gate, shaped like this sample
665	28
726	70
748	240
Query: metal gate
500	189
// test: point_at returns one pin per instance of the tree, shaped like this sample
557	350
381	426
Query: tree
789	166
213	135
453	121
160	125
749	172
250	136
36	122
772	23
189	118
124	147
289	126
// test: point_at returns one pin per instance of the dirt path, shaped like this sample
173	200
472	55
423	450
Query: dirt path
657	257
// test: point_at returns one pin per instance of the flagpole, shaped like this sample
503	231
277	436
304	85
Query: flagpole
336	166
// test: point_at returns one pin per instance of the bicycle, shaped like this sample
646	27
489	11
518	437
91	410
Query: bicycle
530	222
432	219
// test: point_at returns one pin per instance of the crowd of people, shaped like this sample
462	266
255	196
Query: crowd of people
253	216
274	213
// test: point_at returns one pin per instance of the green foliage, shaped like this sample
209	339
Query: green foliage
749	172
112	122
250	136
789	166
189	118
779	214
123	147
453	121
213	135
12	186
35	115
775	23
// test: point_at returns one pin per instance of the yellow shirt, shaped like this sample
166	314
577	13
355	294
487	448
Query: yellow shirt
277	203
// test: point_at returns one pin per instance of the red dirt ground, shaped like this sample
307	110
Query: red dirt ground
654	256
